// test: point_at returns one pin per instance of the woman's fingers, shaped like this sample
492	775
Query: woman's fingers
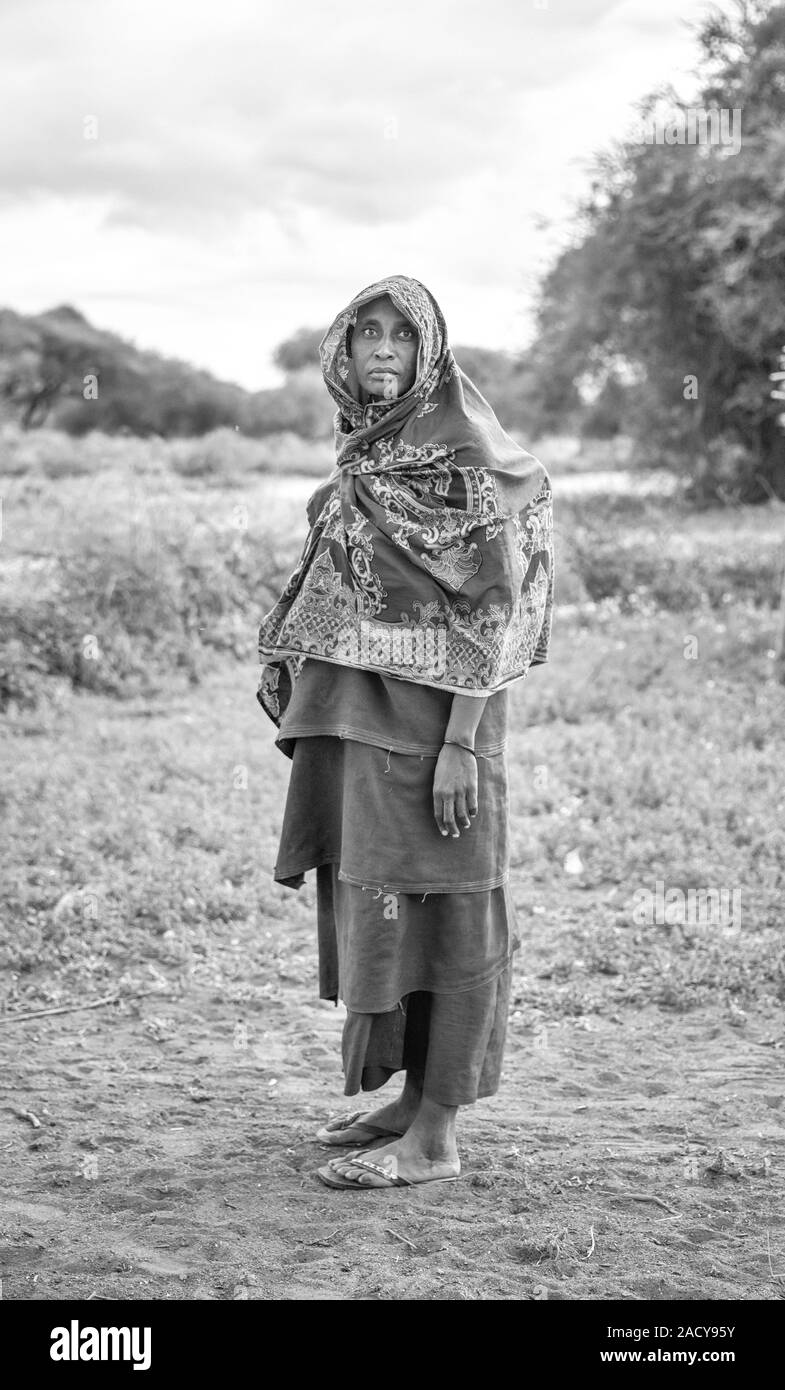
449	818
454	794
440	806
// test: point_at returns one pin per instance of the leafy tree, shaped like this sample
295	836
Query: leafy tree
302	405
677	274
301	350
43	364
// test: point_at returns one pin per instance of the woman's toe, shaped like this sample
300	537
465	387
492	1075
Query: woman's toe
342	1166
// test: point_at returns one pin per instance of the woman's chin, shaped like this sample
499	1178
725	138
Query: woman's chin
375	390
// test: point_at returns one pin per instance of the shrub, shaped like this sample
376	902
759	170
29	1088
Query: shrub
225	456
118	615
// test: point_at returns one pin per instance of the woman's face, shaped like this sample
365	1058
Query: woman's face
384	350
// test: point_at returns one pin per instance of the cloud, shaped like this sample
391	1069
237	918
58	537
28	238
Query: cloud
257	162
211	111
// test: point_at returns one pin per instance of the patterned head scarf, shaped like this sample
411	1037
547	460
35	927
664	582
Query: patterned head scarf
430	550
433	355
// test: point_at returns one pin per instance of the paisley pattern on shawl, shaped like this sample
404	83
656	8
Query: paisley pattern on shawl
430	550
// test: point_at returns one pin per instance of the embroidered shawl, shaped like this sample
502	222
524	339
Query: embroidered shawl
430	550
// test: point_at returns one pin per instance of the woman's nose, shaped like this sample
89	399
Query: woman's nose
384	349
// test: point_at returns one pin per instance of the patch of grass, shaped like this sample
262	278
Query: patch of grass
646	552
226	456
141	835
134	586
221	457
54	455
640	757
159	551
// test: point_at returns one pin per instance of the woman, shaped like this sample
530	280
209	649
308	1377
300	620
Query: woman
423	591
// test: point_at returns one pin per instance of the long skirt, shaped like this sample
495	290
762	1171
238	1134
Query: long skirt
425	975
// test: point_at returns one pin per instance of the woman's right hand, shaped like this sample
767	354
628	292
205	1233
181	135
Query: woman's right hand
455	789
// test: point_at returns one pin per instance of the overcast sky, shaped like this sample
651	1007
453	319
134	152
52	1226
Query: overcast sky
258	162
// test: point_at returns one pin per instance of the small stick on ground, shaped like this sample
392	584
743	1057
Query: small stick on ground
647	1197
324	1240
592	1247
28	1115
555	1243
391	1232
72	1008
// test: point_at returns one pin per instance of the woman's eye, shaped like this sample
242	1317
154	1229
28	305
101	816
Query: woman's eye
407	333
369	330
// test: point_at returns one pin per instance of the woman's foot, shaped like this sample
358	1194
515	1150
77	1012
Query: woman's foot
408	1158
392	1119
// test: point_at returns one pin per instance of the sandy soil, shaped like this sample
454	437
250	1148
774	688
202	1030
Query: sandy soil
634	1157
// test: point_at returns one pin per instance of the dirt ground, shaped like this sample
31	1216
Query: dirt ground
635	1158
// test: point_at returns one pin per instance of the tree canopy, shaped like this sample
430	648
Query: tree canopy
674	288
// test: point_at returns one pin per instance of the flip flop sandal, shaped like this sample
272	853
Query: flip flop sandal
331	1178
325	1135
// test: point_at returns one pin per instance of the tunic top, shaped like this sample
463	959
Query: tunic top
388	713
364	750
